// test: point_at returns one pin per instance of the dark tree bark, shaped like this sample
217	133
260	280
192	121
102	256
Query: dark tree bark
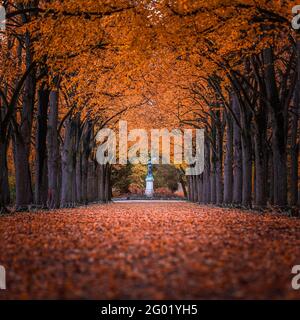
96	178
4	186
270	177
101	181
91	181
195	187
247	170
206	173
67	166
84	177
294	147
228	163
237	154
245	116
200	188
261	157
278	131
294	154
86	142
108	191
22	138
190	188
213	166
53	149
219	159
4	142
78	177
41	174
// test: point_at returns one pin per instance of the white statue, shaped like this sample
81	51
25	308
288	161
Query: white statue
149	192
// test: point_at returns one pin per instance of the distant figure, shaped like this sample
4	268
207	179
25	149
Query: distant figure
150	173
149	192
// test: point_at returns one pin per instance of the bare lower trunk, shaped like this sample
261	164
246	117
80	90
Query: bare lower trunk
78	178
91	181
278	131
219	162
4	186
237	155
279	167
245	116
84	177
294	148
206	173
67	171
22	139
261	160
294	153
213	169
200	188
101	181
247	171
108	191
41	174
213	186
24	195
270	178
228	173
195	187
190	186
53	152
96	179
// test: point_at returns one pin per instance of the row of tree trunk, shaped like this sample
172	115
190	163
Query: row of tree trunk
65	172
53	158
252	138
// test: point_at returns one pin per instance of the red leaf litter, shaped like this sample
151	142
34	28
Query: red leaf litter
149	251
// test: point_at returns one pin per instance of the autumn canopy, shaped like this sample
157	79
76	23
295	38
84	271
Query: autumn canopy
69	68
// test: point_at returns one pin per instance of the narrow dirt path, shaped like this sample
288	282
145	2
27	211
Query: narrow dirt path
149	251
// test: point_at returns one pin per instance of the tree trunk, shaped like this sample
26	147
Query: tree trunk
278	131
245	117
4	186
247	170
86	144
228	173
78	177
200	188
183	185
294	148
41	174
101	181
213	196
219	160
91	181
270	177
84	178
261	158
195	187
22	138
294	154
53	152
237	155
108	192
67	155
206	173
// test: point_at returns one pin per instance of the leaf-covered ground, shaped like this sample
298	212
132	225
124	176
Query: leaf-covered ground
149	251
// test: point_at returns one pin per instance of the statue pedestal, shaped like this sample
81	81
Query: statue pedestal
149	192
